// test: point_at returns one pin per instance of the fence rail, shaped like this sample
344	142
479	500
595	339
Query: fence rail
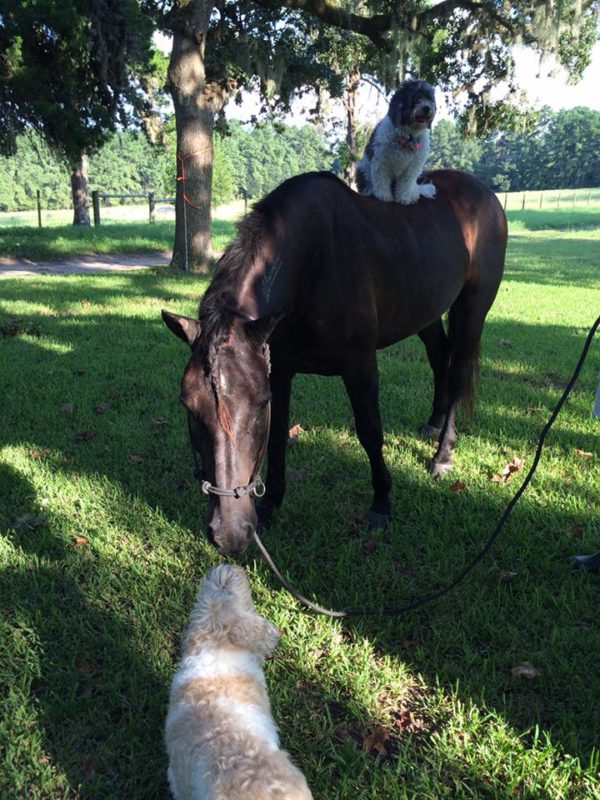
97	195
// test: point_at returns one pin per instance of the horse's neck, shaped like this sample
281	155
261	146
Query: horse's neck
268	289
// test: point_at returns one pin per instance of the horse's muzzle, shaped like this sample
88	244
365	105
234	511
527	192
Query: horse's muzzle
231	533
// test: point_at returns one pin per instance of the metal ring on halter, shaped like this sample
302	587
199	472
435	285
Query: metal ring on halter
258	484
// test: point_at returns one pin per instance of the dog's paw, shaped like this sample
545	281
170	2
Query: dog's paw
428	190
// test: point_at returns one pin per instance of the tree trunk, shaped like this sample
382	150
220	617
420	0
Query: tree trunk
79	191
350	99
196	101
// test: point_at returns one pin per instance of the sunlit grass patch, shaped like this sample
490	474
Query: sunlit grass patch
102	547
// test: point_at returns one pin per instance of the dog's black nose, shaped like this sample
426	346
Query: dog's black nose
427	109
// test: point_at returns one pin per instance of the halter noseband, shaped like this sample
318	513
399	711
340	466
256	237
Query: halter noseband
256	485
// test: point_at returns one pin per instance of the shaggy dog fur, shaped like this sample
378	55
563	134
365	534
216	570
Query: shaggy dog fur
221	739
399	146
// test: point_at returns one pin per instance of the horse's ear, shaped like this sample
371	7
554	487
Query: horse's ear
186	328
261	329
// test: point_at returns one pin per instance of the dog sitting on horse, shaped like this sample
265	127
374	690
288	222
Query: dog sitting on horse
399	146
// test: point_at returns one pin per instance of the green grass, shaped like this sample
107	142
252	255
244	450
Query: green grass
101	549
64	241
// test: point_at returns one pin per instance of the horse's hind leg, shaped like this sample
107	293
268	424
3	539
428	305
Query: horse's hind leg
438	353
466	320
362	385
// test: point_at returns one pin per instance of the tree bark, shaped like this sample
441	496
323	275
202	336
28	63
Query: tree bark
196	101
79	191
349	100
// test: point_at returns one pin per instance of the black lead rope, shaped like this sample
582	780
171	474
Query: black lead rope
429	598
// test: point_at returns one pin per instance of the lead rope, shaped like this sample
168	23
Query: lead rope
425	599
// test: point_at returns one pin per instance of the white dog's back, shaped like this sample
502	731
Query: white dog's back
221	739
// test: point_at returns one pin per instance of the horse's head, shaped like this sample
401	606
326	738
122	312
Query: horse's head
225	389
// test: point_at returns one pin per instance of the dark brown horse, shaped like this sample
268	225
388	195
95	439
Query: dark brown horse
322	278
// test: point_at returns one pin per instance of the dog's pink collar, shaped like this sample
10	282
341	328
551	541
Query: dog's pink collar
408	143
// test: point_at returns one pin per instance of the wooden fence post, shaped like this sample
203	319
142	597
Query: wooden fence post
151	207
505	199
523	203
541	198
96	206
39	207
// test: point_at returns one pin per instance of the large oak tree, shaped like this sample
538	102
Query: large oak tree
464	46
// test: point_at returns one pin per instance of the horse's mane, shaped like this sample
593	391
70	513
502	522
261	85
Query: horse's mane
217	307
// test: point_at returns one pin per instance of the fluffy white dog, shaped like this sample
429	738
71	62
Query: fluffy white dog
399	146
221	739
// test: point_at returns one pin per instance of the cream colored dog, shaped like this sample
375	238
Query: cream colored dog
221	738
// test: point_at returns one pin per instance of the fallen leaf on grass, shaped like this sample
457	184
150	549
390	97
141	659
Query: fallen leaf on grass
369	547
458	487
583	454
514	465
40	455
376	740
525	670
294	434
80	541
84	436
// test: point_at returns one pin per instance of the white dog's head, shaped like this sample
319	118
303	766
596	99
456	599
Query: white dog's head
413	106
224	614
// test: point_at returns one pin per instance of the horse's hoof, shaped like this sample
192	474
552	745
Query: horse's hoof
264	515
438	469
590	563
430	431
378	522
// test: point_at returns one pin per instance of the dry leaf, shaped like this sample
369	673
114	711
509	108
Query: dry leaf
294	434
40	455
458	487
84	436
80	541
514	465
376	739
575	530
583	454
369	547
525	670
68	408
136	458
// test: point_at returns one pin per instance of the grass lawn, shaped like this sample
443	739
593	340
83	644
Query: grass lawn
116	236
101	549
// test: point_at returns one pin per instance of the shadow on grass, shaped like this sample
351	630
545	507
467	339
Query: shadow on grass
569	262
470	641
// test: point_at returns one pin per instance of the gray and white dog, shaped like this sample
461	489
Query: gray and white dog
399	146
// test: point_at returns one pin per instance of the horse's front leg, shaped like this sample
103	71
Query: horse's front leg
362	385
281	390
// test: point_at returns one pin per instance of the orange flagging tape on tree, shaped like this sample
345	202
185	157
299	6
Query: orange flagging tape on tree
181	177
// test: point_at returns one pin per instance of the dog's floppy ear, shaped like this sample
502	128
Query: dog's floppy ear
257	634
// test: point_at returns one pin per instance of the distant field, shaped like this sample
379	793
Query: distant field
555	199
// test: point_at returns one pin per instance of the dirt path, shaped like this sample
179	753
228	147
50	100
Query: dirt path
82	265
